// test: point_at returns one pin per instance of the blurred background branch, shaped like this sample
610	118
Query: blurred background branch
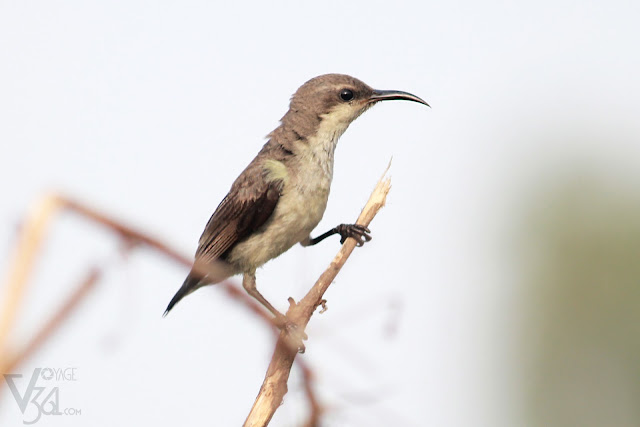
26	253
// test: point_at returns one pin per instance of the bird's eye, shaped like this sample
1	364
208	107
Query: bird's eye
346	94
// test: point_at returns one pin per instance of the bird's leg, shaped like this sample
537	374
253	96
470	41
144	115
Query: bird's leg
358	232
249	285
281	321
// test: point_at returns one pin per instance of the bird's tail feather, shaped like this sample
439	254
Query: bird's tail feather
191	283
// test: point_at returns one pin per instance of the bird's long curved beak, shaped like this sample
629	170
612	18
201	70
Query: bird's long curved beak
388	95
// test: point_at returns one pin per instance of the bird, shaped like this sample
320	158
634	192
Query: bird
281	196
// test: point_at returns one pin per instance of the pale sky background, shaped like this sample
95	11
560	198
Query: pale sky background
149	110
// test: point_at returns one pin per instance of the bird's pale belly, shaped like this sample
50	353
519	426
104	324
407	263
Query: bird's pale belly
298	212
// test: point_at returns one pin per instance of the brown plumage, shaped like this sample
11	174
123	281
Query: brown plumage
281	195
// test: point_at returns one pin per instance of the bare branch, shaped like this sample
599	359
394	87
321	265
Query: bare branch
54	322
26	251
314	406
21	263
274	386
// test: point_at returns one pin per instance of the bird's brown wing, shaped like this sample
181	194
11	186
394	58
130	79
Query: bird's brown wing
245	209
249	204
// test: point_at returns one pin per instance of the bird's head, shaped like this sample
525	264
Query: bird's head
332	101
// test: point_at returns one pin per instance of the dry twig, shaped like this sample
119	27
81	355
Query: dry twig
274	386
9	362
25	254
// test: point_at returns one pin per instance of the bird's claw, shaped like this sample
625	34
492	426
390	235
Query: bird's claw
294	334
359	232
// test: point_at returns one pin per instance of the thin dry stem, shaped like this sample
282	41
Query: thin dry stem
315	409
25	254
53	323
274	386
21	263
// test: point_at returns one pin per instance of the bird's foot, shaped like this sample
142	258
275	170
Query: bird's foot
357	231
294	334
